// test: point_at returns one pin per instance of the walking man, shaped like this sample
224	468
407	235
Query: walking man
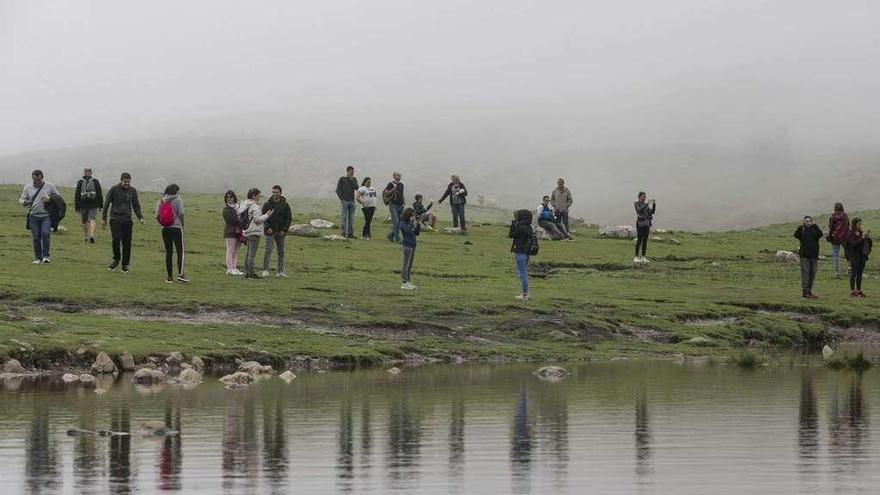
122	200
275	227
346	188
561	201
808	233
87	200
35	197
393	197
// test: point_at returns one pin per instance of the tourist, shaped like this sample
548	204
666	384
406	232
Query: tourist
394	198
346	188
547	220
411	227
35	197
366	196
457	195
424	212
252	220
644	218
838	229
561	201
275	228
232	232
87	200
121	201
524	243
858	248
169	214
808	233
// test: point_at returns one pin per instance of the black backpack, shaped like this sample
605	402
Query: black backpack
524	217
57	210
533	245
244	219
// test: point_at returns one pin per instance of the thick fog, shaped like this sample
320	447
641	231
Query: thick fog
730	113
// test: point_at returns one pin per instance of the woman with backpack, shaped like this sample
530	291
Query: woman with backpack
232	232
525	244
858	248
410	228
252	219
838	230
644	218
169	214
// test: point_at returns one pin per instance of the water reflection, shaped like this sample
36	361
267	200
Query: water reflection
404	443
848	432
642	438
808	429
345	445
240	453
85	451
521	444
42	471
366	440
275	458
456	443
121	473
552	406
171	455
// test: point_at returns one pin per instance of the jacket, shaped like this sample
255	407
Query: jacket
809	238
35	198
561	200
838	228
521	233
124	202
396	197
346	187
410	231
420	208
256	216
176	205
280	219
544	214
857	247
456	193
88	197
645	213
231	221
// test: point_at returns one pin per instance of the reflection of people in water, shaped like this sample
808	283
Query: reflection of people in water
121	472
366	440
240	455
274	440
521	444
85	454
404	442
41	468
808	429
552	405
171	457
456	443
345	445
643	437
848	430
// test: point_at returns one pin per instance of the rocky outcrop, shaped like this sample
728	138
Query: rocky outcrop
13	366
617	232
238	379
787	257
187	377
394	371
174	359
303	230
148	376
254	368
126	361
69	378
198	364
319	223
87	378
103	364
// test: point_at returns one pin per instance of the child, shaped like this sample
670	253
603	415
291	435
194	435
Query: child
808	233
410	227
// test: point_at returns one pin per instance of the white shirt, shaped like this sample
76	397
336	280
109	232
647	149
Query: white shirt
368	196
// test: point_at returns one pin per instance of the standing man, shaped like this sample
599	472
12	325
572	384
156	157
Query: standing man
88	199
393	197
35	197
275	227
121	202
808	233
561	201
457	195
346	188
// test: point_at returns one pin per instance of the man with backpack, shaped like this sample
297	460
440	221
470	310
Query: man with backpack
525	245
547	220
121	201
87	200
346	188
275	227
393	197
36	197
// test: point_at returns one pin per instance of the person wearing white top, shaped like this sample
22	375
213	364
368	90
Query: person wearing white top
253	229
367	198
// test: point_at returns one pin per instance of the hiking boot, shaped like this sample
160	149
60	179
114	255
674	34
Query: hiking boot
113	264
182	279
124	268
46	260
169	280
281	275
265	273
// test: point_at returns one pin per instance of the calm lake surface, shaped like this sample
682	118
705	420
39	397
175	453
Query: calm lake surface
620	427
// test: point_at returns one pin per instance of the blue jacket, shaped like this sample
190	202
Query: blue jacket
410	231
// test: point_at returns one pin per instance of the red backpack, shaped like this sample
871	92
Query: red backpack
166	214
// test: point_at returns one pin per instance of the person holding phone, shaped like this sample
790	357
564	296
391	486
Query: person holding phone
35	197
252	220
645	210
425	214
410	228
808	233
858	248
366	196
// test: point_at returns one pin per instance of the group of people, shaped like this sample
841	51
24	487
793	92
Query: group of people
843	234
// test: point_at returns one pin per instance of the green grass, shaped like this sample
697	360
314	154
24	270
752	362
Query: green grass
343	300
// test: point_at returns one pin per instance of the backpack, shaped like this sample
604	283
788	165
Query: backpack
533	245
244	218
57	209
166	214
386	197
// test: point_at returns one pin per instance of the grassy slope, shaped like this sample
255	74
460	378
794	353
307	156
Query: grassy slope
588	299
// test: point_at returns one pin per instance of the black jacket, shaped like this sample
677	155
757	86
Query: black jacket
280	220
81	203
809	238
448	193
231	220
857	247
346	187
124	202
521	233
396	197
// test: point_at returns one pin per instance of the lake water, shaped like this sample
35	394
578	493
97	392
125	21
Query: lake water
619	427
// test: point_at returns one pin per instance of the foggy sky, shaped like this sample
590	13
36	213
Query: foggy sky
493	83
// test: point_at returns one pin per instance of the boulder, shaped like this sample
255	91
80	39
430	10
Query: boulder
148	376
454	231
237	379
617	232
827	352
87	378
103	363
543	235
394	371
187	377
174	359
100	391
787	257
126	361
287	376
13	366
335	237
254	368
551	373
303	230
198	364
319	223
69	378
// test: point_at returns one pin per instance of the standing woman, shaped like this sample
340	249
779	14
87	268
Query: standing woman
644	218
252	220
169	214
367	198
523	241
410	228
838	230
457	195
232	232
858	248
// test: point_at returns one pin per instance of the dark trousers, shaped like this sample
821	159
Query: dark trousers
856	269
808	274
368	219
562	217
642	234
173	239
120	231
41	229
409	254
458	215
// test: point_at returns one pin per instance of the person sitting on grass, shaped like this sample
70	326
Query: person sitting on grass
548	221
523	238
858	248
424	212
410	228
808	233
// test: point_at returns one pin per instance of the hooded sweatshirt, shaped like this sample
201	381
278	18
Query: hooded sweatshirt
176	205
282	216
257	218
838	228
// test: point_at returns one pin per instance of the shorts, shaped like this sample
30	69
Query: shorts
88	214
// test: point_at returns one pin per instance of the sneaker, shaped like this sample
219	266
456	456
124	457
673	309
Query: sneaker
407	286
230	272
238	273
281	275
645	260
113	265
265	273
91	240
182	279
124	268
854	294
861	294
836	274
37	262
46	260
522	297
637	259
169	280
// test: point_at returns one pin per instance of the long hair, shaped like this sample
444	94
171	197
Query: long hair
856	224
364	182
253	193
838	207
230	193
407	215
172	189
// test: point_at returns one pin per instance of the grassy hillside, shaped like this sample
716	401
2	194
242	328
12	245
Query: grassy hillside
343	300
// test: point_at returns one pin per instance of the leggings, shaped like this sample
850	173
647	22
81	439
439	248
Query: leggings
642	238
232	245
857	267
409	253
368	218
173	238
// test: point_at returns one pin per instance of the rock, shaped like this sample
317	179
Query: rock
187	377
87	378
174	359
319	223
237	379
100	391
126	361
454	231
13	366
335	237
157	428
701	341
198	364
787	257
103	364
287	376
551	373
543	235
254	368
617	232
148	376
716	264
303	230
394	371
827	352
69	378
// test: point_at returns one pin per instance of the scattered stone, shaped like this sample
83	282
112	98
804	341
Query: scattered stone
174	359
827	352
700	341
100	391
787	257
13	366
126	361
187	377
716	264
454	230
103	363
87	378
617	232
287	376
319	223
198	364
148	376
551	373
303	230
254	368
394	371
237	379
69	378
335	237
186	366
